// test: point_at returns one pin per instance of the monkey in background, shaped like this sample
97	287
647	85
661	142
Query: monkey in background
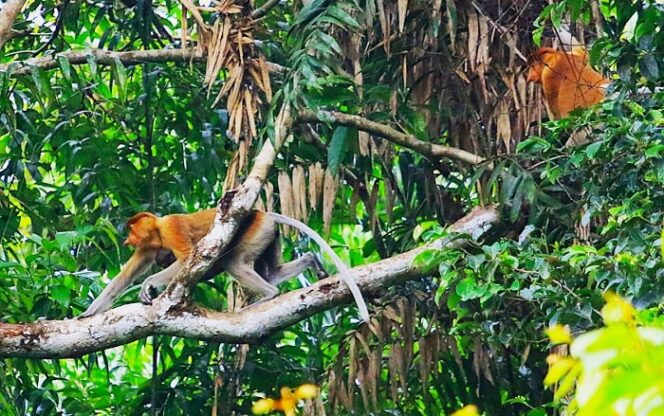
567	80
253	258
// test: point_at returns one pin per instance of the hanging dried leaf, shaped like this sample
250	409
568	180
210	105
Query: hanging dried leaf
374	326
300	193
473	38
319	407
373	375
451	21
313	187
285	197
266	78
393	375
504	125
329	195
402	7
425	364
391	313
231	174
332	389
196	14
384	25
407	329
251	109
352	366
363	142
268	188
185	28
364	385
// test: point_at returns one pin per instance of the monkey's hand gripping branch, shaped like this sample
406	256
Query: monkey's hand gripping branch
73	338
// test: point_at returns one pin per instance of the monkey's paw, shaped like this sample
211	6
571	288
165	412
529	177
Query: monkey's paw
320	270
147	293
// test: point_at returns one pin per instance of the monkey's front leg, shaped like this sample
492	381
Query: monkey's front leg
156	283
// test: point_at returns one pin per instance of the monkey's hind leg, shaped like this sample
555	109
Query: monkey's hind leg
246	276
289	270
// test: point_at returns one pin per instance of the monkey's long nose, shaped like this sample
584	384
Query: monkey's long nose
126	242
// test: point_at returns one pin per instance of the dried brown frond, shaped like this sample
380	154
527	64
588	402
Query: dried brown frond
300	193
285	196
269	196
231	174
330	187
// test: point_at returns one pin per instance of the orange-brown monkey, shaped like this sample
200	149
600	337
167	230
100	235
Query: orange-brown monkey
253	258
567	80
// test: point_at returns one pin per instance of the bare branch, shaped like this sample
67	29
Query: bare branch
430	150
104	57
266	7
8	12
73	338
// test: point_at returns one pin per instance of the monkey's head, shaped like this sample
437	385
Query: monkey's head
143	232
537	61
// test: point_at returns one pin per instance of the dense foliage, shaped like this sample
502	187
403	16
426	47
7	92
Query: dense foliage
83	147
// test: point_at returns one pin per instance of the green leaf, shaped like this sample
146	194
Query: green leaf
337	149
65	238
592	149
468	289
339	13
533	145
65	67
654	151
61	294
120	77
649	68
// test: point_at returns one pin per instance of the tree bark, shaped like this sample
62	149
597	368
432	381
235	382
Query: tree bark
8	12
75	337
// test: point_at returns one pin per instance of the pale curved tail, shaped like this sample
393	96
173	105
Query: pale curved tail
344	271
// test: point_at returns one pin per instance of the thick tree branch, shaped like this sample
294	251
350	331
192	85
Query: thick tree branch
73	338
8	12
104	57
430	150
266	7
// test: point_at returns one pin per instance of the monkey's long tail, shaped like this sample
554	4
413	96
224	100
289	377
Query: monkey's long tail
344	271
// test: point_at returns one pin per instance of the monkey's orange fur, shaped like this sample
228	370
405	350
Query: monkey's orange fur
567	80
176	232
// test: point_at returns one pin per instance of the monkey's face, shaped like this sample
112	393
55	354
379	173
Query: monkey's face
143	234
535	72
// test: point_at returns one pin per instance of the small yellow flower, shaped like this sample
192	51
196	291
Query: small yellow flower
617	310
469	410
559	334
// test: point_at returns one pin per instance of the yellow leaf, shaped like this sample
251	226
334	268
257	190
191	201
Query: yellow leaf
558	368
469	410
559	334
617	310
262	406
567	383
306	391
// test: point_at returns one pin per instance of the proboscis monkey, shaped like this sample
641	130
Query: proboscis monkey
253	258
567	80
